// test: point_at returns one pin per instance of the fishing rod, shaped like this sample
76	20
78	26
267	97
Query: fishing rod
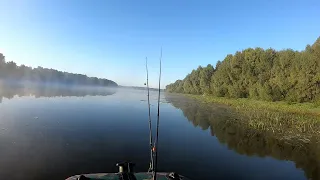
150	127
155	149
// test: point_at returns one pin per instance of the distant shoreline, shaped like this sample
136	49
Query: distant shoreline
12	74
140	88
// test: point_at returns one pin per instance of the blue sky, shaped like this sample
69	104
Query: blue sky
111	38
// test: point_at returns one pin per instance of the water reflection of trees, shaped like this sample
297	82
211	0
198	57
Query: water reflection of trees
226	126
53	91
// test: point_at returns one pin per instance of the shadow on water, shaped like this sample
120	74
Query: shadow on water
225	124
40	90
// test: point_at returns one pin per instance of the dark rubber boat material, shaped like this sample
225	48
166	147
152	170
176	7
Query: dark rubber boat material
117	176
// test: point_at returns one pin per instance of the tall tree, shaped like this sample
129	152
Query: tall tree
205	78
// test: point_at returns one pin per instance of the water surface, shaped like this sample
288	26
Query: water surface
56	135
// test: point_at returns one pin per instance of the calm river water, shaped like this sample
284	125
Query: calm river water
53	134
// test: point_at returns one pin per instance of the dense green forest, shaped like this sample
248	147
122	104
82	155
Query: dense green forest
11	73
270	75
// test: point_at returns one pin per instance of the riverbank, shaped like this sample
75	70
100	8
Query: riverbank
281	118
244	103
241	135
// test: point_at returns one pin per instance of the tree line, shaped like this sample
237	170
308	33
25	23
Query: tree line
11	73
263	74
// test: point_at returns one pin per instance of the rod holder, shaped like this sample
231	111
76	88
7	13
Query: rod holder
125	167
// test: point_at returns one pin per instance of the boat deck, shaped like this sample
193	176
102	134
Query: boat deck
115	176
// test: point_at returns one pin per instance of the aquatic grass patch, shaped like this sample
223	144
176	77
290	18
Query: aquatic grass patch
301	149
279	118
244	103
258	132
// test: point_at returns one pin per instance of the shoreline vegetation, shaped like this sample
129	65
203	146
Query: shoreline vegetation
272	91
260	74
13	75
300	121
311	109
244	138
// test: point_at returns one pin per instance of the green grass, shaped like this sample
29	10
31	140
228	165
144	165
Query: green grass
286	120
244	103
